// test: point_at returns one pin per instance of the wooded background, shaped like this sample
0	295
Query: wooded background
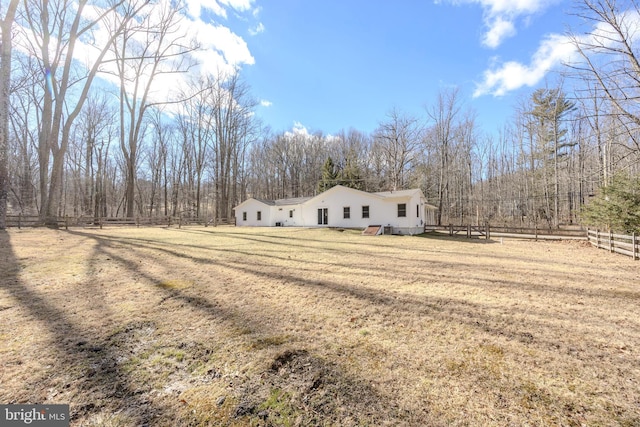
90	140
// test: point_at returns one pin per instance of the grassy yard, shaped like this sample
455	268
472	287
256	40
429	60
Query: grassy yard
257	327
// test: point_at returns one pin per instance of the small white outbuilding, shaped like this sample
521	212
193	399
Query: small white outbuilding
398	212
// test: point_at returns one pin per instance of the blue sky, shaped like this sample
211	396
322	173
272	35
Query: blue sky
328	65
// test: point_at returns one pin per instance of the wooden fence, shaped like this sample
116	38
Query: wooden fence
19	221
619	243
469	230
486	230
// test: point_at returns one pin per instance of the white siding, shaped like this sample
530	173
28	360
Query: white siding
287	215
335	200
413	222
383	210
252	207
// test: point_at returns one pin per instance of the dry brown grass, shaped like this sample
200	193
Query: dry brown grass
248	326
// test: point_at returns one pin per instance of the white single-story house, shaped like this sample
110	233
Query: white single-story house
398	212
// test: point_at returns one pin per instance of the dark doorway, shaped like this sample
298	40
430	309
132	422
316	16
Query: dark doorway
323	216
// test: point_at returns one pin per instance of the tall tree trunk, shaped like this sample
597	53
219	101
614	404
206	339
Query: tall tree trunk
89	177
556	181
5	82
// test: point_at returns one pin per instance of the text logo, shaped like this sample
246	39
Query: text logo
34	415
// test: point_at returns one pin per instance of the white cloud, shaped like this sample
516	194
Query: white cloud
219	42
511	75
298	130
553	51
255	31
499	30
266	103
500	16
218	7
194	8
513	7
221	49
239	5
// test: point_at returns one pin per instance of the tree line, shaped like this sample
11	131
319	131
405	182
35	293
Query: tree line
93	139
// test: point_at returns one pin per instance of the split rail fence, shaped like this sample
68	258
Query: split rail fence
619	243
486	231
19	221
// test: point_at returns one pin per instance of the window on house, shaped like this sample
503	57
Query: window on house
347	212
259	216
418	211
244	216
290	213
365	212
402	210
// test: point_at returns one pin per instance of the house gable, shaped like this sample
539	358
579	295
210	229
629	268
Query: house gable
344	190
253	212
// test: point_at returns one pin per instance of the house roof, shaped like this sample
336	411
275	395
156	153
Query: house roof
405	193
343	188
278	202
284	202
398	193
292	201
300	200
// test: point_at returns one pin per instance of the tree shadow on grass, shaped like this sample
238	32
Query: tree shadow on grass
92	365
451	310
447	270
456	237
331	394
454	310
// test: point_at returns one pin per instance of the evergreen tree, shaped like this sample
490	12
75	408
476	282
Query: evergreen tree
350	176
550	110
616	206
329	176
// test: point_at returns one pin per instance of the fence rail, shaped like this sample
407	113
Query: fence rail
19	221
619	243
486	230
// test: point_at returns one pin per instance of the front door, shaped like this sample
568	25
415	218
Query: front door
323	216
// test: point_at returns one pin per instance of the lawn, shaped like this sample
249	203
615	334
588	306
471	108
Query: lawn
282	326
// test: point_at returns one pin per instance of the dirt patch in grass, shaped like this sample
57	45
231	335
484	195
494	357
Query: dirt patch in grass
256	326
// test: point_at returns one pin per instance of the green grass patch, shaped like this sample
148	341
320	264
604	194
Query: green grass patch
281	411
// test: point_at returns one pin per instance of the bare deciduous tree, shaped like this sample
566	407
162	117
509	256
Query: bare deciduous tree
147	48
609	60
56	30
444	116
399	138
6	43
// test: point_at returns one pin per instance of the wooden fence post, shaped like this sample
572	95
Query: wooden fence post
66	222
610	241
180	221
597	238
19	221
450	229
100	222
468	231
488	232
635	244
